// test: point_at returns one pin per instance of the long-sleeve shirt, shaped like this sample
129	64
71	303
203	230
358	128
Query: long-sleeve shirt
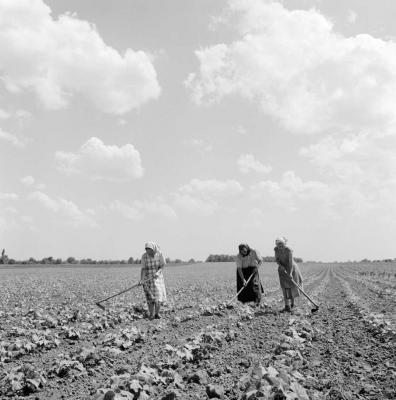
253	259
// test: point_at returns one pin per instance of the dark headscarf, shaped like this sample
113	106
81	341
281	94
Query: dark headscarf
246	246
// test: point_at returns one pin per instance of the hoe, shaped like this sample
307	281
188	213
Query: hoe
316	308
117	294
243	287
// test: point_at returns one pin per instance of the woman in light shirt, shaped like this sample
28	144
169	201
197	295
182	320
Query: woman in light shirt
153	263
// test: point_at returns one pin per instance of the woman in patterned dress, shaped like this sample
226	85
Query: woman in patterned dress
287	267
153	263
247	262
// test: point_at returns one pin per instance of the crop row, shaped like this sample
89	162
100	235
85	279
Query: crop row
377	322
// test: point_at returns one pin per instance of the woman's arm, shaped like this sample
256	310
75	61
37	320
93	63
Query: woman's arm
142	270
161	265
291	264
239	269
258	257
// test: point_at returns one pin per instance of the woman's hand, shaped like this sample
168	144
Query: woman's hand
244	282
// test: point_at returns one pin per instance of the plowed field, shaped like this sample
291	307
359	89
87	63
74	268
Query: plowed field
55	343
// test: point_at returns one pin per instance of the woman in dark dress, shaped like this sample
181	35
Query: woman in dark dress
247	262
287	267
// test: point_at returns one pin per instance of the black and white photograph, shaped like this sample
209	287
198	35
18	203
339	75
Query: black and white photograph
197	199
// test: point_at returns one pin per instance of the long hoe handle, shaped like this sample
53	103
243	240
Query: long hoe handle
243	287
117	294
302	291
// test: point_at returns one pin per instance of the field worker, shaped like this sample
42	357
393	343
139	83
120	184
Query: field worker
287	267
247	262
152	278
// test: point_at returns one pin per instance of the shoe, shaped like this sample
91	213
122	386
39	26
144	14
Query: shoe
286	309
157	317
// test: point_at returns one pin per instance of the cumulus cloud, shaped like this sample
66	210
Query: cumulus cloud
312	80
300	71
4	114
291	191
200	144
99	161
59	58
194	204
66	209
138	210
204	196
247	163
212	187
8	196
352	16
18	141
28	180
362	168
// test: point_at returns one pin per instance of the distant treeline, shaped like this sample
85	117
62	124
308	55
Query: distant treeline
89	261
228	258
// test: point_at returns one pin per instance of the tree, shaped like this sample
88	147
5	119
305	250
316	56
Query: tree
4	257
71	260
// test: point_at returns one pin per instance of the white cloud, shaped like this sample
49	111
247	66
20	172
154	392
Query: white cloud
102	162
301	72
8	196
204	196
138	210
247	163
58	58
196	205
23	114
66	209
44	200
158	207
4	114
291	192
15	140
200	144
212	188
362	167
313	80
127	211
241	130
352	16
28	180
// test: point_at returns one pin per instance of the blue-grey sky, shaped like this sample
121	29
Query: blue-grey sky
198	125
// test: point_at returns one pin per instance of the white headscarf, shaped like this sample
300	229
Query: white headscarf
282	240
153	246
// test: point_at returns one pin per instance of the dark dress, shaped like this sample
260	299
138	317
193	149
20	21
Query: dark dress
254	289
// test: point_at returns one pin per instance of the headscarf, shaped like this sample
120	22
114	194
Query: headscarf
153	246
246	246
280	240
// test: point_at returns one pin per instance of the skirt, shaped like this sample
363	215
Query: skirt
254	289
289	289
154	290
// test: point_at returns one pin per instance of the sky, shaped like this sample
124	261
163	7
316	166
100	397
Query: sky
197	124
